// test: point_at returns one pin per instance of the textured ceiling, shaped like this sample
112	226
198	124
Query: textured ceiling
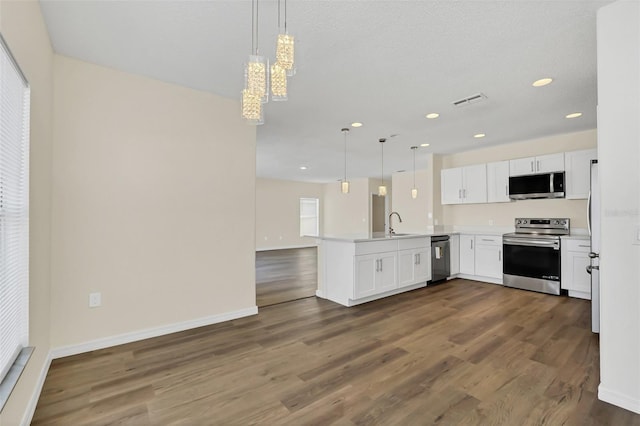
384	63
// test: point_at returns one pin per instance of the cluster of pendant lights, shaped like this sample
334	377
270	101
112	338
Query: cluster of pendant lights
260	78
382	189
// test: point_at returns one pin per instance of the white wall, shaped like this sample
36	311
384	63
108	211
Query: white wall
502	214
619	170
153	205
347	214
24	30
278	213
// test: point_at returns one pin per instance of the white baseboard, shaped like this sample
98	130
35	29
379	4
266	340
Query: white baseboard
35	396
287	247
618	399
320	294
134	336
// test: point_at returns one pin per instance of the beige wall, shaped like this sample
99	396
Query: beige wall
23	28
347	213
153	204
278	212
502	214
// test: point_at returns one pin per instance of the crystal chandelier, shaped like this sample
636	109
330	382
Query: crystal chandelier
256	80
414	190
344	185
285	45
382	189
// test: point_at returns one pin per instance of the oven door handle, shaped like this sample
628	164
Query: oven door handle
530	242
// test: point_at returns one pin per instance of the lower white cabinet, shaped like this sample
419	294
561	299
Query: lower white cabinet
481	257
414	266
375	273
454	252
467	254
351	272
488	256
573	269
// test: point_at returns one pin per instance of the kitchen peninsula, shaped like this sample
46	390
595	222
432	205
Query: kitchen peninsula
360	268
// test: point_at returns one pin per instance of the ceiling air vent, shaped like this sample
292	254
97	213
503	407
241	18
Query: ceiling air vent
478	97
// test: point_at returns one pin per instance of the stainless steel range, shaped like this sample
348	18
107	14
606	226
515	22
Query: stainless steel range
532	254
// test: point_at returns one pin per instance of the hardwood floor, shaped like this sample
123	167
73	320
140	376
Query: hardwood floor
460	353
286	275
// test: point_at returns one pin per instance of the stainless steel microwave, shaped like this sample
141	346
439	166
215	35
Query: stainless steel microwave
544	185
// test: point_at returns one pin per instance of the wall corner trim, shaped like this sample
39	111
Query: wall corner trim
618	399
134	336
35	396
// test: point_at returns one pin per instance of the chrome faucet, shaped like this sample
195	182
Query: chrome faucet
391	231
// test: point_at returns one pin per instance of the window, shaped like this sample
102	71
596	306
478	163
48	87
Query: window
309	218
14	212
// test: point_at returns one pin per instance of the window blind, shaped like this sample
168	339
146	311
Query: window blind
14	210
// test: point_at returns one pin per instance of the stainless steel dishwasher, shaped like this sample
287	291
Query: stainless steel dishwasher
440	262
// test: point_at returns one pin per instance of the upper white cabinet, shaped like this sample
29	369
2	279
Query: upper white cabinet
464	185
578	170
541	164
498	182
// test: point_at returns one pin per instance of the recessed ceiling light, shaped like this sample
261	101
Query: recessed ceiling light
356	124
303	167
432	115
542	82
424	144
573	115
479	135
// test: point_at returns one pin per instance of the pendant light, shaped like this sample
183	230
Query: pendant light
344	185
285	45
279	67
256	72
414	190
382	189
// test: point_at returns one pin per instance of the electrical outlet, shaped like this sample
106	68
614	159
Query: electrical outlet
95	300
490	222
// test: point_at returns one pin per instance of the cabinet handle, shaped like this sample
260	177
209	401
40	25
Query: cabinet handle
537	166
377	267
418	255
460	193
506	190
464	193
499	255
531	165
471	241
380	265
587	246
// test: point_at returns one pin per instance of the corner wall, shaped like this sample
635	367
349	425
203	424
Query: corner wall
347	214
24	30
153	205
278	213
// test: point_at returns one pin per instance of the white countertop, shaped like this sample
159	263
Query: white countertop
360	238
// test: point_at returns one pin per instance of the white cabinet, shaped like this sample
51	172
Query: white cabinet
488	256
573	269
413	266
481	257
414	261
464	185
467	255
454	254
577	173
357	272
541	164
498	182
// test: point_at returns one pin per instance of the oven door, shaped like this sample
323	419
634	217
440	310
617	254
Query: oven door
532	263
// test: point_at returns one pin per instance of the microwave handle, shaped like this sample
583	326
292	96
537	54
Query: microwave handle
551	186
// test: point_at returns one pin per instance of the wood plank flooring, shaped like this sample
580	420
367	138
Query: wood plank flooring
286	275
460	353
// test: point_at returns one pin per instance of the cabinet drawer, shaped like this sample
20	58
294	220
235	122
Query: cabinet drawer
489	240
577	245
413	243
370	247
